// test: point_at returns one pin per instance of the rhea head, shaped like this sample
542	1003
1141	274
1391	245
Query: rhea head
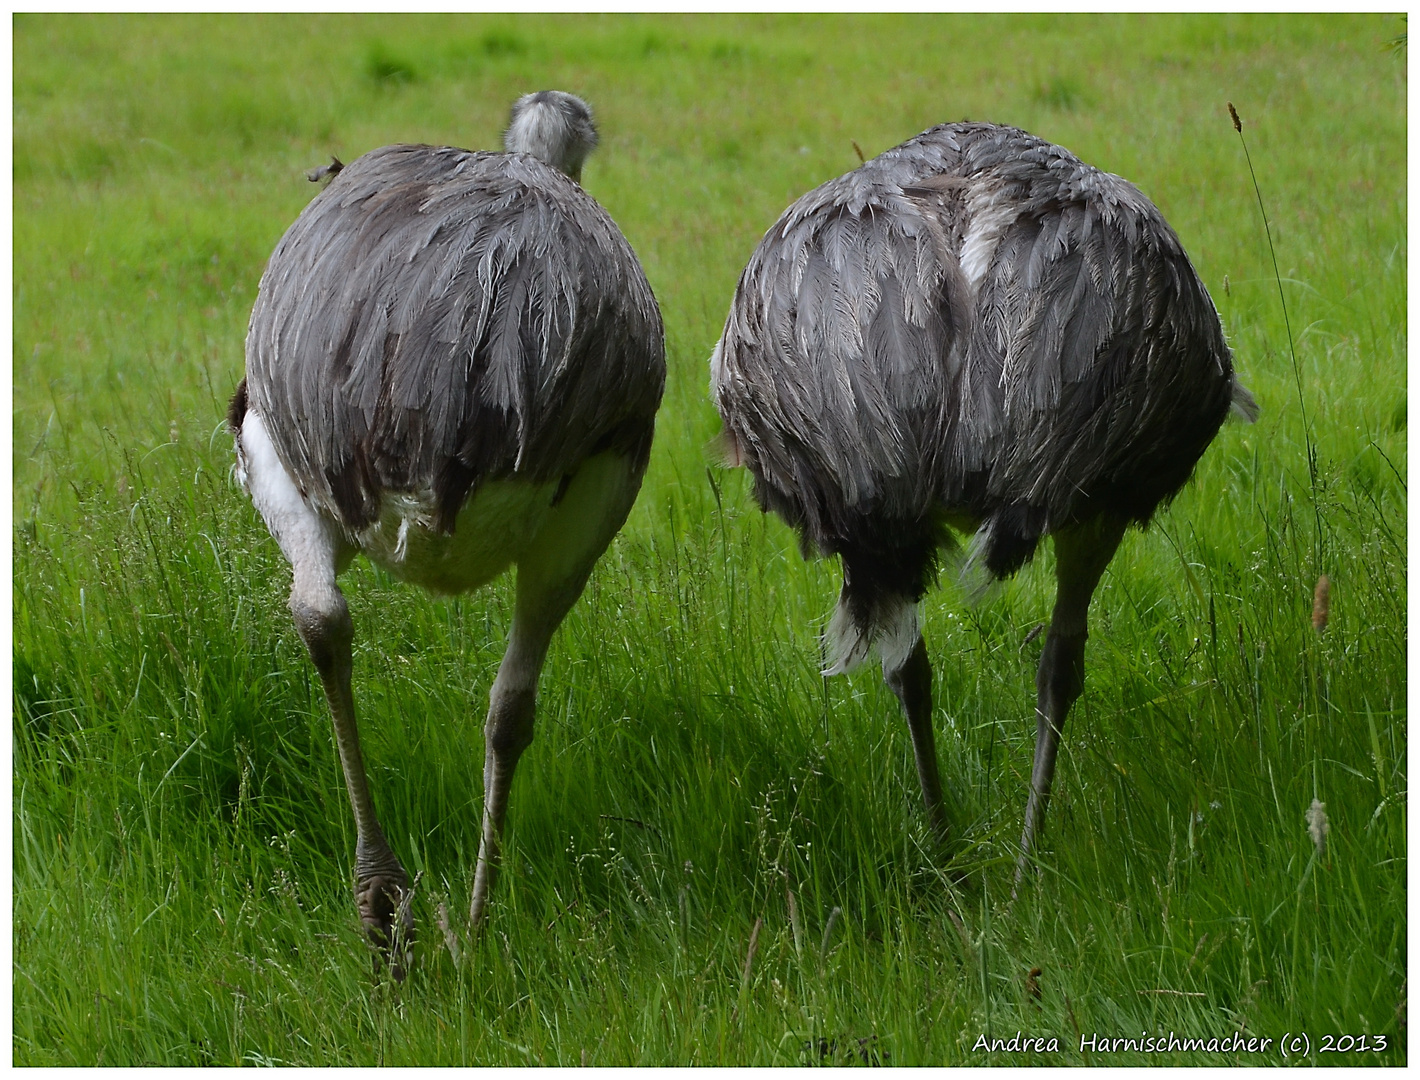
554	127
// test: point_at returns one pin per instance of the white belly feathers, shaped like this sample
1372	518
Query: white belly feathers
493	529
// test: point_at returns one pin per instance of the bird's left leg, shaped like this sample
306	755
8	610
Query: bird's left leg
912	683
1081	554
551	575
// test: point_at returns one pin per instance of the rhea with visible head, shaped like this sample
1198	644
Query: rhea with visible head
453	367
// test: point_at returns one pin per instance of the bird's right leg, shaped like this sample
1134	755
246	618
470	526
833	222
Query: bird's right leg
1081	554
322	619
551	575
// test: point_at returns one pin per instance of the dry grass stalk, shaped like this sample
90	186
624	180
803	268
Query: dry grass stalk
451	939
794	924
749	954
558	917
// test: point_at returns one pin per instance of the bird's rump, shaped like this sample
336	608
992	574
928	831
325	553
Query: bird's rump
437	318
1113	372
973	332
839	358
974	322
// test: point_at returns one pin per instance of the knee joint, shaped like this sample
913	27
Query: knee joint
509	730
325	627
912	682
1062	667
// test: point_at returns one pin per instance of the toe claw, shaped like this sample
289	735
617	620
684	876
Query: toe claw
383	902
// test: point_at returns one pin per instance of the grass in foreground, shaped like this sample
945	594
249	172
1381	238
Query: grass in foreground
181	834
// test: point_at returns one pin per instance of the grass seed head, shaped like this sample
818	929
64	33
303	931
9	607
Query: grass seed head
828	931
1237	124
1321	604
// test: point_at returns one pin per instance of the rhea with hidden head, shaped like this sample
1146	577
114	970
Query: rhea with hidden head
453	366
973	333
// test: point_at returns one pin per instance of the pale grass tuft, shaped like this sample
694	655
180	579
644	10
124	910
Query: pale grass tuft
1318	826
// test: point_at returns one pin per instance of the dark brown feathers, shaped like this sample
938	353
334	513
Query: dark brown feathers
237	408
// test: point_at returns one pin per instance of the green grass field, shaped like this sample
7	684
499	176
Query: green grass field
182	839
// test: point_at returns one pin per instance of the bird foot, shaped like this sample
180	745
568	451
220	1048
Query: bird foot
383	901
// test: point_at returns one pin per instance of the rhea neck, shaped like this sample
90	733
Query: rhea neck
554	127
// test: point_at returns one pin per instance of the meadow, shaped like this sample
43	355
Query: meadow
182	842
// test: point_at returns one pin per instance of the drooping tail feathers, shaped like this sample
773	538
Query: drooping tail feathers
889	627
885	574
236	414
1005	542
1244	404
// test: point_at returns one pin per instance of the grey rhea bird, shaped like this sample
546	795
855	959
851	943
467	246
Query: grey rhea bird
453	365
973	333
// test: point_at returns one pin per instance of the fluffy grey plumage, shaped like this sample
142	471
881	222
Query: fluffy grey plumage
437	318
973	331
454	365
973	323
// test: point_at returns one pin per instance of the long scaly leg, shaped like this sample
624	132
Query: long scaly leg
551	575
1081	554
912	683
322	619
